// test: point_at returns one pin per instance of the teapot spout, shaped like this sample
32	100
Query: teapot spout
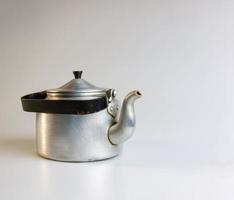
124	128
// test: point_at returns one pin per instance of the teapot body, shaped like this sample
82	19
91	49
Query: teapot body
81	122
68	137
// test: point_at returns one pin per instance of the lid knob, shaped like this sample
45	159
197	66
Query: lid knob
77	74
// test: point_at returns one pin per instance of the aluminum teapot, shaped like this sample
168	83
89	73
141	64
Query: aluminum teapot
81	122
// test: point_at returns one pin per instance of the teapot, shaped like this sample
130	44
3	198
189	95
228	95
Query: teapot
80	122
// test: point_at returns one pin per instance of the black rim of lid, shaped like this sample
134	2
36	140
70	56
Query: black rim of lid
37	102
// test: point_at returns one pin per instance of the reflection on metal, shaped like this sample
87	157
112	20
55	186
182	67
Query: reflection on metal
75	137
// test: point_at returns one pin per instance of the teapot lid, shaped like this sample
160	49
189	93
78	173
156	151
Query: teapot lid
77	88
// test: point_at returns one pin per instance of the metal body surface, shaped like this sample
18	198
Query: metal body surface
75	137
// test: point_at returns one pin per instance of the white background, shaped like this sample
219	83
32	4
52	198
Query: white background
179	54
